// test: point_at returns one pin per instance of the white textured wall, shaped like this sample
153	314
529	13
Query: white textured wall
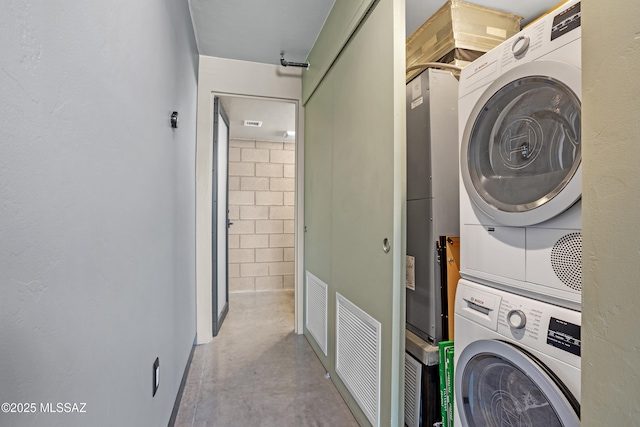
97	207
230	77
261	207
611	206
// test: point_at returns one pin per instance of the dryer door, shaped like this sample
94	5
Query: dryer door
498	384
520	151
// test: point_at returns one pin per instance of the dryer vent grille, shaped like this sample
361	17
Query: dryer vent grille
566	260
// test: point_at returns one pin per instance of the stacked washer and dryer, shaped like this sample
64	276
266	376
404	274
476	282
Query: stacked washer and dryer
517	310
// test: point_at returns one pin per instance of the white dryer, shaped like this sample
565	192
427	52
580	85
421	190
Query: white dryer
520	162
517	360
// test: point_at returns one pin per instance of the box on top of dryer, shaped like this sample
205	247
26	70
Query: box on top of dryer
459	25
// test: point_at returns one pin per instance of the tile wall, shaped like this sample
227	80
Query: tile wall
261	207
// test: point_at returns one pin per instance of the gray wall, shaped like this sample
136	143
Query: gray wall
97	207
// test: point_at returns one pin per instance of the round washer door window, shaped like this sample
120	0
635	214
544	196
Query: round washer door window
499	385
521	148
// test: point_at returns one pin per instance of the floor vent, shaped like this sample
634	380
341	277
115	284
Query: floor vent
412	382
316	318
358	356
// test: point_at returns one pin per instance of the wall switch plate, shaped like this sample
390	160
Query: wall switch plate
156	375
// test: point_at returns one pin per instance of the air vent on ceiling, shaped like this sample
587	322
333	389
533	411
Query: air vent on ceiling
358	356
253	123
316	320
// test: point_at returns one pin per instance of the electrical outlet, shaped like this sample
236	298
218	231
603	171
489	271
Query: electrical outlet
156	375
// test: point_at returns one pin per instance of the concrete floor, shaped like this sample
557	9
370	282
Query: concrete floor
257	372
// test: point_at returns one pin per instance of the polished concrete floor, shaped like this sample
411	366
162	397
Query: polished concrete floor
257	372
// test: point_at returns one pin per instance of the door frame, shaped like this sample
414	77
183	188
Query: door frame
204	183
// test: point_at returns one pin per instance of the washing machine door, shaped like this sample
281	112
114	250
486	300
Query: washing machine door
498	384
520	151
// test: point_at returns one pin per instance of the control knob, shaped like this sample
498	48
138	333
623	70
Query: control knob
516	319
520	46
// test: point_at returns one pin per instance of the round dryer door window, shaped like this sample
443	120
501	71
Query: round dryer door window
521	148
497	384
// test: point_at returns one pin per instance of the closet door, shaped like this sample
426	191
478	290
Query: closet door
357	181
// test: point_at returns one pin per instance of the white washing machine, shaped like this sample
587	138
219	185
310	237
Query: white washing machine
517	360
520	158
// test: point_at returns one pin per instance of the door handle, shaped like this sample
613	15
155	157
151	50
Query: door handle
229	224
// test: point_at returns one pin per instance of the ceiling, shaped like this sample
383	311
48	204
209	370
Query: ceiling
258	30
277	117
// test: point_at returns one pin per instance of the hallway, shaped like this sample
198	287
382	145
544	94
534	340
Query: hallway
257	372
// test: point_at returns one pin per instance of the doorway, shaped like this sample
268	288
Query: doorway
261	179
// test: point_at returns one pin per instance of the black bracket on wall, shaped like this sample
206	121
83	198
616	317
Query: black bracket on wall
292	64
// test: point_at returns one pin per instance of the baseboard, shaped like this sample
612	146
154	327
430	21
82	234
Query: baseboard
176	404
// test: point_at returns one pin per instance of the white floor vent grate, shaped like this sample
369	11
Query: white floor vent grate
358	356
412	382
316	310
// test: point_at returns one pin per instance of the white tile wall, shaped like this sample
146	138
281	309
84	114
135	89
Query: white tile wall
269	145
288	254
288	282
261	205
288	226
270	170
281	212
282	184
270	227
289	171
234	154
254	212
242	198
255	155
274	198
289	198
269	283
241	255
253	241
234	183
270	255
242	169
254	183
283	156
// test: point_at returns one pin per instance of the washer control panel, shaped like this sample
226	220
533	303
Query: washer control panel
535	324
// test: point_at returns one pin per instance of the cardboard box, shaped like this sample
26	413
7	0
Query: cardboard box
459	25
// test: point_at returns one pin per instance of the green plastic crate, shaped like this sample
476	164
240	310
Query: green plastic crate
445	350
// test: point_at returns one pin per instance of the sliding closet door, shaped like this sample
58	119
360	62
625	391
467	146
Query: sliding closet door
355	126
